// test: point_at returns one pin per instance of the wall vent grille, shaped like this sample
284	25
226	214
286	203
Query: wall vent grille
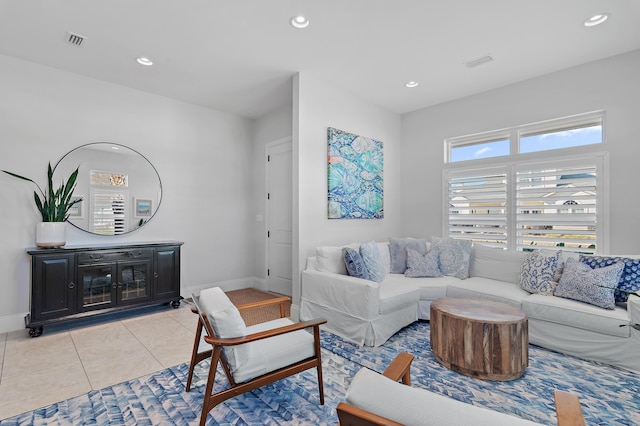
479	61
75	39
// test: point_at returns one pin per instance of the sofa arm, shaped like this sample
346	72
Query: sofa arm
633	308
354	296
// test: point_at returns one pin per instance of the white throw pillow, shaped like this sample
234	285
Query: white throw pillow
330	259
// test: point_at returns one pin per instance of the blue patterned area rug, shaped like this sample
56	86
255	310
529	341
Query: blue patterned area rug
609	396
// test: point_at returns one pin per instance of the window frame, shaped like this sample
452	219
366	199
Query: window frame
515	133
515	160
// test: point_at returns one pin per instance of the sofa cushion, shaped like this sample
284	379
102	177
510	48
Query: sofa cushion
454	256
329	259
630	278
396	292
538	273
433	288
422	265
354	263
414	406
577	314
593	286
398	251
484	288
496	263
373	261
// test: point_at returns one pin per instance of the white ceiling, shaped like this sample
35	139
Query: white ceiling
239	55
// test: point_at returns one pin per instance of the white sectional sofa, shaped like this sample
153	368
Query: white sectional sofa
369	312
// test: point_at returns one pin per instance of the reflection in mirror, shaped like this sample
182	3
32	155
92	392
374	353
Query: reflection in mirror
120	188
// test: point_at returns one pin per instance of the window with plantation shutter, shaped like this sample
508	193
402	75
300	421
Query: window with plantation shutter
478	205
556	205
542	189
108	210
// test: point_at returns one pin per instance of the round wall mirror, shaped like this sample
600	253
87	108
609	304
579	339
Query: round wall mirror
119	187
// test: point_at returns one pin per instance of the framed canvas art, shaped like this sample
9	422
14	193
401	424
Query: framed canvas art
355	178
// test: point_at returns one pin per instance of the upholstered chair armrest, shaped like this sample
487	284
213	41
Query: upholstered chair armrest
355	296
349	415
233	341
633	308
568	409
399	368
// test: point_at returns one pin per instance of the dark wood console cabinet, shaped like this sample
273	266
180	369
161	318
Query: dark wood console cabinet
74	282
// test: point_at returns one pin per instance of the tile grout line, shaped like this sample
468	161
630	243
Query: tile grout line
80	358
4	355
143	345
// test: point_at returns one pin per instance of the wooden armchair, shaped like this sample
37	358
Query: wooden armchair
568	408
251	357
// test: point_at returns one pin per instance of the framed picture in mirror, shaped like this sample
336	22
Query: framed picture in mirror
142	207
77	210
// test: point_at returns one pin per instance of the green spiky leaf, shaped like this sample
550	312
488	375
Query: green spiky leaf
53	205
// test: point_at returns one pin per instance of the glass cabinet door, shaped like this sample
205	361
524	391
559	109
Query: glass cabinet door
134	281
97	287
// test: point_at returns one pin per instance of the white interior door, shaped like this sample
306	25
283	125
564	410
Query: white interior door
279	217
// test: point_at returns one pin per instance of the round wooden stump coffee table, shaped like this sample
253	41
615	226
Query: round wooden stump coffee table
480	338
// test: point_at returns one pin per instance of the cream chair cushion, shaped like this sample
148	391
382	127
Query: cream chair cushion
226	322
253	359
380	395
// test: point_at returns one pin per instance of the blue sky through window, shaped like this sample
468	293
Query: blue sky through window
533	143
480	150
561	139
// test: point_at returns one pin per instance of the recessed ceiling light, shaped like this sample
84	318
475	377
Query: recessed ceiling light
143	60
412	84
596	19
299	21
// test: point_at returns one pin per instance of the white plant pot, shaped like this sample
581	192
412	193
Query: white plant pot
51	234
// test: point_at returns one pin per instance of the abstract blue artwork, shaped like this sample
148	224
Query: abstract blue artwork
355	176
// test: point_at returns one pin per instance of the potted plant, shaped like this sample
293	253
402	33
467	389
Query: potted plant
54	207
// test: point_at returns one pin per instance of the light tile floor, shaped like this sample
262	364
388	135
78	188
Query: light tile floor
67	361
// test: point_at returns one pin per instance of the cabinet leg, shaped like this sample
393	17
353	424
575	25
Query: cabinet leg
175	304
35	331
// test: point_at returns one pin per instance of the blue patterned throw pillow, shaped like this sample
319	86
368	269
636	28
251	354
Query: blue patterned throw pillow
630	279
354	263
593	286
373	261
454	256
398	250
537	273
422	265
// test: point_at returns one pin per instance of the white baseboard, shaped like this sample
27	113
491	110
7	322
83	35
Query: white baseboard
295	312
12	323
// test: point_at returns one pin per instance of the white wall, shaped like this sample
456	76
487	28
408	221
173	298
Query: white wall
203	157
272	127
611	84
317	106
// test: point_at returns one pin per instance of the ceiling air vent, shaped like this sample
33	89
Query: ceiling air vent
75	39
479	61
